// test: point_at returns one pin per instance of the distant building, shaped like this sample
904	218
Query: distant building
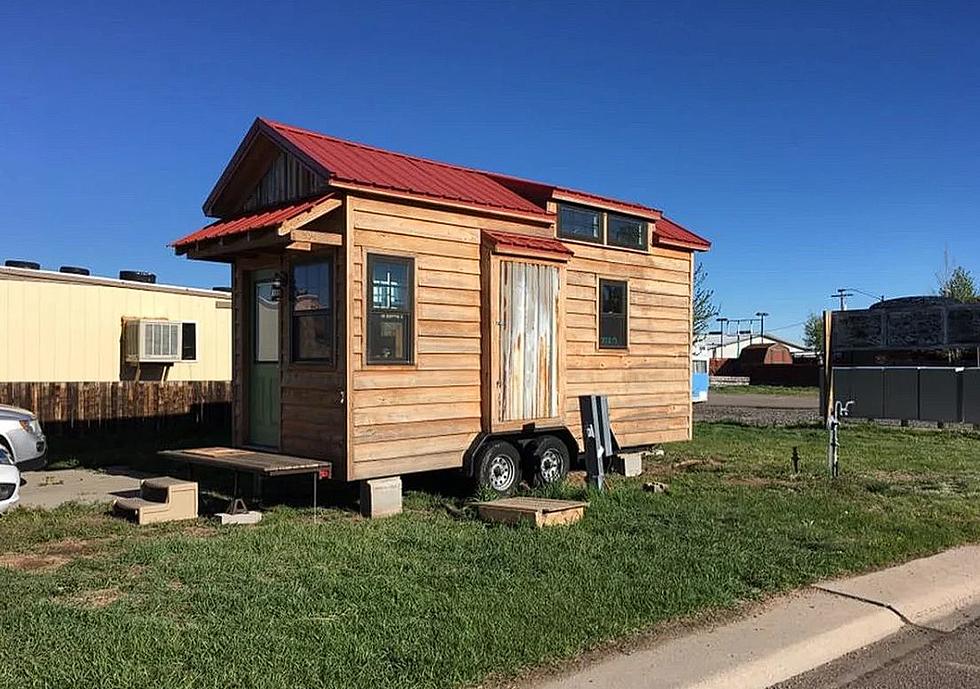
730	347
62	327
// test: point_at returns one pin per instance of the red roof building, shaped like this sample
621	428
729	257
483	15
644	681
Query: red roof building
344	164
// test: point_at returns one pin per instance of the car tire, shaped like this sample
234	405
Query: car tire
499	468
550	461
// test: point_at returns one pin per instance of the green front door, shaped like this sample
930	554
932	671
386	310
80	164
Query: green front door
263	375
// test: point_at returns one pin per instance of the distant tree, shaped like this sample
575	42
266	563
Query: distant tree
960	286
813	333
955	281
705	308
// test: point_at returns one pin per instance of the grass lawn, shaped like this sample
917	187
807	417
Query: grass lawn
764	390
435	598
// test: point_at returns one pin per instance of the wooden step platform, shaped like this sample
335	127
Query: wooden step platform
538	511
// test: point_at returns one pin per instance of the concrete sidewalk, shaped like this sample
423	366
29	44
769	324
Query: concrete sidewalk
801	631
50	488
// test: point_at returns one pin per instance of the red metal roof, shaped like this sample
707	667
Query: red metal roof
346	161
270	217
669	232
526	241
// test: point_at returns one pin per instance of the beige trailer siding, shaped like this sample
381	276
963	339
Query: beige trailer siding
65	328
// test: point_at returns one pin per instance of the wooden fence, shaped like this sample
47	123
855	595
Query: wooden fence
75	407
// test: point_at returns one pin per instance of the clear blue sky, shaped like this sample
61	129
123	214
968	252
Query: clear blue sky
819	145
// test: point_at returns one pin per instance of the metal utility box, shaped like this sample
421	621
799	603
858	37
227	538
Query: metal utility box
939	394
971	395
901	393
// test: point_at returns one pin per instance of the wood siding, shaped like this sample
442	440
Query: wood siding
313	395
529	301
648	384
285	180
424	415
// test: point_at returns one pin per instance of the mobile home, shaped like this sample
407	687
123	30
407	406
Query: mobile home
393	314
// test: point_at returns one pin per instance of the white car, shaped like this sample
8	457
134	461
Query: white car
9	482
21	436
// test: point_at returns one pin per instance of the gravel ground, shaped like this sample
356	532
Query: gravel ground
782	410
756	416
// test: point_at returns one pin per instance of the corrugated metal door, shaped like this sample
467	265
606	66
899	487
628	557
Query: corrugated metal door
528	382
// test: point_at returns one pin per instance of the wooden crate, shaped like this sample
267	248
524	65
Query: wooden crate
539	511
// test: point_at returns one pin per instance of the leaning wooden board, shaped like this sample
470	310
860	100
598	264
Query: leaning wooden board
538	511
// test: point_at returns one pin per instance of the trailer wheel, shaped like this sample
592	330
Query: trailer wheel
550	461
499	467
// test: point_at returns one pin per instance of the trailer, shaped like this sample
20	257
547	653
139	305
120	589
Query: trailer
700	379
394	314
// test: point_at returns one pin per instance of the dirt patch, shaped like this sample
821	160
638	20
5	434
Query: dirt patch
51	556
33	563
760	482
708	464
93	600
199	531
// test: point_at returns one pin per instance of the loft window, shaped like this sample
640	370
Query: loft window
312	311
575	222
613	314
626	232
390	309
188	341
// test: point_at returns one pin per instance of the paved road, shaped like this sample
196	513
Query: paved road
915	658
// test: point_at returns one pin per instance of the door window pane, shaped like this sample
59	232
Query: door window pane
613	314
266	319
390	312
626	232
313	312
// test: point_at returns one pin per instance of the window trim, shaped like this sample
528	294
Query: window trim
196	340
331	261
411	361
629	218
626	315
600	240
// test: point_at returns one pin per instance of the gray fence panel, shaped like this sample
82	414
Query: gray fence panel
864	387
971	395
939	394
901	393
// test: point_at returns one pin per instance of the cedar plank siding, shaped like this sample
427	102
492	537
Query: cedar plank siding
425	415
648	385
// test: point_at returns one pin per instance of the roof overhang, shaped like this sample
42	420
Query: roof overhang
605	204
285	227
526	246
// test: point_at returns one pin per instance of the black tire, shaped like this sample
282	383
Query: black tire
499	468
550	460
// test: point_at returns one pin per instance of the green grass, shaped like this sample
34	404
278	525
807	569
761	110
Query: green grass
763	390
435	598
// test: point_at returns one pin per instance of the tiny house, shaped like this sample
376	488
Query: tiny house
394	314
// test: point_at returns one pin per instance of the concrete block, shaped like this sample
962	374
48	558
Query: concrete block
381	497
250	517
628	464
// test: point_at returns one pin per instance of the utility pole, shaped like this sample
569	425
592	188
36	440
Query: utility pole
762	325
842	294
723	322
